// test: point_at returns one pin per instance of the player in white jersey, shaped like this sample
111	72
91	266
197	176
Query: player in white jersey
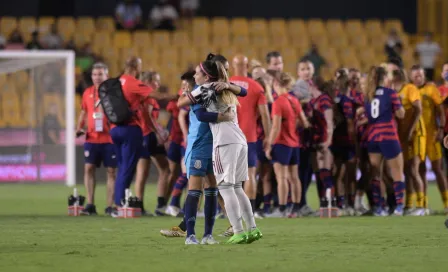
229	148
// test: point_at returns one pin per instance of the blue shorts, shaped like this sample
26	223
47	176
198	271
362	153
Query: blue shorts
100	153
345	153
285	155
154	147
252	154
145	154
182	151
198	166
175	152
389	149
260	152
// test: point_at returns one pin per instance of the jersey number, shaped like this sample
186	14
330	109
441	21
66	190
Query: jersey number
375	108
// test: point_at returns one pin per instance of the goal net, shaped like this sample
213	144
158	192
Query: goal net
37	116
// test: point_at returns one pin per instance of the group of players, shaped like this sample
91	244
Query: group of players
286	131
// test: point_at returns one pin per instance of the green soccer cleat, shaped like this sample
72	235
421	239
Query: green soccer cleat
254	235
237	239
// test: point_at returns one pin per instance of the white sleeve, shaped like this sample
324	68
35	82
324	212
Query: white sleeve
172	13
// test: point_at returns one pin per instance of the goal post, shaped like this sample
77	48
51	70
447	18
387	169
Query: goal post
28	81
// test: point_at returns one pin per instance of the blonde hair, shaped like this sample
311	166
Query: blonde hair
227	96
284	79
374	79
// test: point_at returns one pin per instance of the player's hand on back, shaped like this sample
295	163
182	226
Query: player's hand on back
220	86
228	115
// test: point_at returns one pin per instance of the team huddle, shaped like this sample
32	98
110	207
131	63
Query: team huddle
251	142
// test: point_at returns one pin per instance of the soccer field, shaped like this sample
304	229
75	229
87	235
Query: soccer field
36	235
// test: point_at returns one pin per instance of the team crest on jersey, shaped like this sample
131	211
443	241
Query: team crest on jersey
86	153
379	92
337	100
197	164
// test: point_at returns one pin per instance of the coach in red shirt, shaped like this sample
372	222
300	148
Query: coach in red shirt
98	147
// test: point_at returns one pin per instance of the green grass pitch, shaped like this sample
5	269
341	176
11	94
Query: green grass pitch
37	235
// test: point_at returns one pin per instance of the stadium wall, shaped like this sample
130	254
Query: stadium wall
405	10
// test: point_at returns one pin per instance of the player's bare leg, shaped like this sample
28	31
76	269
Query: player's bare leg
281	174
161	163
89	183
111	175
141	177
418	185
376	160
441	182
395	167
296	189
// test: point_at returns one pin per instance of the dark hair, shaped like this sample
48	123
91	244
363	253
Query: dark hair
374	79
188	77
416	67
272	54
396	60
342	83
219	58
214	70
399	75
261	82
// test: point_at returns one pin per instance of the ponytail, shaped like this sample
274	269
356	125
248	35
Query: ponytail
228	97
374	79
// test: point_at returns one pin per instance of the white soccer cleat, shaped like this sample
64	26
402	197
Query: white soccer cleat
172	211
191	240
173	232
418	212
276	214
380	212
258	215
209	240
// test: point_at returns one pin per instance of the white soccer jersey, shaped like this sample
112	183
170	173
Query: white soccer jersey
223	132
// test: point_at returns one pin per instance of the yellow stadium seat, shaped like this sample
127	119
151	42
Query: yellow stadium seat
316	26
297	27
277	27
114	68
340	41
141	38
289	54
377	42
85	24
201	40
9	86
105	23
21	79
170	55
251	52
241	40
239	26
366	55
320	40
393	24
201	25
161	38
354	27
229	51
329	53
180	38
78	102
359	41
260	39
203	51
3	79
220	25
335	28
82	39
220	40
127	52
26	26
28	106
280	40
300	41
373	27
10	108
110	52
66	27
45	24
8	25
189	55
258	26
151	56
50	100
121	39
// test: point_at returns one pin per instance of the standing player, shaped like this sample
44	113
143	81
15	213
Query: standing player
412	134
444	93
383	143
250	106
274	61
182	116
229	151
98	147
284	143
434	119
321	113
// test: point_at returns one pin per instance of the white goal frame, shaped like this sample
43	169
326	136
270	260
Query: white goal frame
40	57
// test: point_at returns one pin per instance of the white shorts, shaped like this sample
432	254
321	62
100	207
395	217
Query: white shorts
230	163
